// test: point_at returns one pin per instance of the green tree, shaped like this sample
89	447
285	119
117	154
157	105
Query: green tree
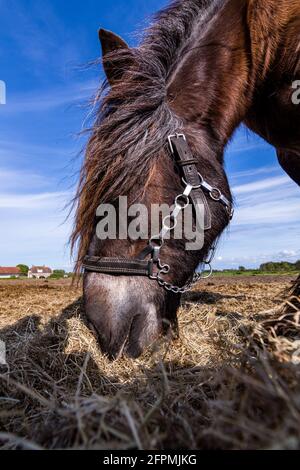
272	267
267	267
297	265
242	269
24	269
58	274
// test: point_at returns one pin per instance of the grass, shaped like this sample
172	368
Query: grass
230	381
253	272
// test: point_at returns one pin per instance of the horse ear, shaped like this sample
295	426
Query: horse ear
111	42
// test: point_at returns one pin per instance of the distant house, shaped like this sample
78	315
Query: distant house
39	272
7	273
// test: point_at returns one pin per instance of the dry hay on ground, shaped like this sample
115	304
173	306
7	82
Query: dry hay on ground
231	380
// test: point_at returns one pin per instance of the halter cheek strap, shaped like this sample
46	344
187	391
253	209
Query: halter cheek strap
187	163
195	189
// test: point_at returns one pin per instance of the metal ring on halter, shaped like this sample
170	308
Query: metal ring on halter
182	196
210	257
193	187
210	271
215	191
169	227
201	178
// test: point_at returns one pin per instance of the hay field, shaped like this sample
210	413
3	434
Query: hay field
231	381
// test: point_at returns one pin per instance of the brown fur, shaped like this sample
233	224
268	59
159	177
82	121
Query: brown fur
203	67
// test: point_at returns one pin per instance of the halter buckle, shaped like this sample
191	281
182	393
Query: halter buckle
173	136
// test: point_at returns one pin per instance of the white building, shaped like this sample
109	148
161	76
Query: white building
7	273
39	272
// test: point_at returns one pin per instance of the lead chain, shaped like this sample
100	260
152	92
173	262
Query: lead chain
158	240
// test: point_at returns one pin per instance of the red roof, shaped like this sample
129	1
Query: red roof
11	271
40	270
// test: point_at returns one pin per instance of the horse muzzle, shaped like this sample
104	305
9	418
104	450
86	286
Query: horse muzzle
126	314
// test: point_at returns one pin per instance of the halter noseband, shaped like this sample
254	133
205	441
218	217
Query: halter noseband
195	189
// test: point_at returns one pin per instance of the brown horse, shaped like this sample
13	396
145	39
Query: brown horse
203	67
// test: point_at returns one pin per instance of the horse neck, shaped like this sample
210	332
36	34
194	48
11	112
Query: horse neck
222	66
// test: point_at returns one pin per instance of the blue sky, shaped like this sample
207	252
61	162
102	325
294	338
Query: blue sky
45	47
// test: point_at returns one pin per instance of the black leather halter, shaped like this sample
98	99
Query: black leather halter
148	260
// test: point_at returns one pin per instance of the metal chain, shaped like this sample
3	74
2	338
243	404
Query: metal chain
197	276
180	290
158	240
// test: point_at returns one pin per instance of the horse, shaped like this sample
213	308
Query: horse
201	69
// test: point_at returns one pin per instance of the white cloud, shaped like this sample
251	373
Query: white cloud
244	141
33	229
288	253
261	185
10	180
274	200
46	100
266	225
255	260
15	147
277	212
33	225
253	172
246	147
29	202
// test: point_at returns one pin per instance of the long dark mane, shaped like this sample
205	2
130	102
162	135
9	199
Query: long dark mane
134	119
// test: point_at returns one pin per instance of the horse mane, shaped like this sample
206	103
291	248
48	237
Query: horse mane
133	119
